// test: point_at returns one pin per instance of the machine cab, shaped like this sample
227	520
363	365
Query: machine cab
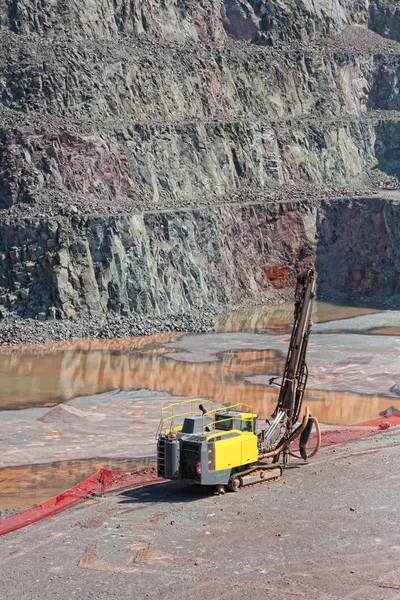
235	420
222	420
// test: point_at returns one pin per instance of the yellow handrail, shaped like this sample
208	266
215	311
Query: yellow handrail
171	418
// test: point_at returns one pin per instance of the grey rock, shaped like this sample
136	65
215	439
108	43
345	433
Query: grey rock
161	160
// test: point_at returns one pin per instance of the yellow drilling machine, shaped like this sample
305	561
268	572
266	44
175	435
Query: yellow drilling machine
223	446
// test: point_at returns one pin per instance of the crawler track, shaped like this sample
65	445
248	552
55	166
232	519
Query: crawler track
253	476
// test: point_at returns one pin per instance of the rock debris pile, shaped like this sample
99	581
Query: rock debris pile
114	326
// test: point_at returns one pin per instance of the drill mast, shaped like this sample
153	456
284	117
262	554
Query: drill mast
295	373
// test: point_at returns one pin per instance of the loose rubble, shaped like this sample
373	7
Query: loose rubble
113	326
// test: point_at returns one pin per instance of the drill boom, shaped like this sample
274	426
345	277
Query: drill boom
295	373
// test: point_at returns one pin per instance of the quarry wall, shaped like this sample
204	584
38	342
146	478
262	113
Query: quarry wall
159	156
173	262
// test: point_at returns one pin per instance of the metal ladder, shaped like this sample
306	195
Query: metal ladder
161	457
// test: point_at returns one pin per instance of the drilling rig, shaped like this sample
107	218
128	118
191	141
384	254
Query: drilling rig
224	447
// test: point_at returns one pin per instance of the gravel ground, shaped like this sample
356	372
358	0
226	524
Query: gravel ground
5	512
54	203
326	530
30	331
112	326
360	41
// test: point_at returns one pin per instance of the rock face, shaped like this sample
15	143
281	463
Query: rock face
385	17
153	263
173	262
205	20
158	156
130	105
358	252
170	166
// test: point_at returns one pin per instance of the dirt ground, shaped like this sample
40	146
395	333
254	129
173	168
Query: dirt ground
326	530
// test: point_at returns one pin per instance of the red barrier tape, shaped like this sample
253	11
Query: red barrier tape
345	434
386	421
102	481
353	432
105	480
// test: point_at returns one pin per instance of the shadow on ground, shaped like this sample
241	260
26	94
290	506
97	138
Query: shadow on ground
171	491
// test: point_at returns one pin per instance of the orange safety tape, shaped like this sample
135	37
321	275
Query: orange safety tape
101	481
352	432
105	479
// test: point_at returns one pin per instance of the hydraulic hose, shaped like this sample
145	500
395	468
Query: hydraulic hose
290	439
317	446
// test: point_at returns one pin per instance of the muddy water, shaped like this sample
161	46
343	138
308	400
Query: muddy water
48	374
32	484
279	318
45	375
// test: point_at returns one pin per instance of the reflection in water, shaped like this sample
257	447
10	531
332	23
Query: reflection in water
67	374
279	318
32	484
44	375
385	331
